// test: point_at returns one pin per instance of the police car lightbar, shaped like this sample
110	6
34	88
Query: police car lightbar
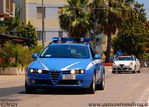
65	39
86	39
55	39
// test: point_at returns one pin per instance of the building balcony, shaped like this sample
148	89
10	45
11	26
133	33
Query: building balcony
7	9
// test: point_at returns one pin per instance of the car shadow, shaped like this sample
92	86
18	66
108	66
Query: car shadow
126	73
57	92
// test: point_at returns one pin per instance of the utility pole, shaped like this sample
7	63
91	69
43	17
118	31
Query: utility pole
94	35
43	15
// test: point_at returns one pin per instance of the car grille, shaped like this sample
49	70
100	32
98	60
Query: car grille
121	65
55	75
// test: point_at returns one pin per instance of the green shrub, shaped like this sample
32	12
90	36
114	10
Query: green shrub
16	55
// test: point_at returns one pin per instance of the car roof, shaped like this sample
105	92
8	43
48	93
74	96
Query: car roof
78	44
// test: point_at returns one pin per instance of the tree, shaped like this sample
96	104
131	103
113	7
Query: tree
28	31
132	38
109	14
7	53
76	18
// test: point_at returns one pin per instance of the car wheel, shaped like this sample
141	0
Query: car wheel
29	89
92	87
138	71
102	83
134	70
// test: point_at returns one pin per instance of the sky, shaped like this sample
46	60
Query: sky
146	6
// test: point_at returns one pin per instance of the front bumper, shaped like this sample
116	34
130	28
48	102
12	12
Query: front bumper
56	80
122	68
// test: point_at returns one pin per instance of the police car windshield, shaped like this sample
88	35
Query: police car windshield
65	51
125	58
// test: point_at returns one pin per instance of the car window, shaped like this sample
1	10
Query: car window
92	52
65	51
125	58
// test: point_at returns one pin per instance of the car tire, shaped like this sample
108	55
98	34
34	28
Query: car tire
92	87
138	71
29	89
134	70
101	85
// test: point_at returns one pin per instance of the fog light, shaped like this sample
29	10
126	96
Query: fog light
31	70
72	71
33	81
79	82
39	71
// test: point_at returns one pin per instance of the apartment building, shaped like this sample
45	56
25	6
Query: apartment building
7	9
31	10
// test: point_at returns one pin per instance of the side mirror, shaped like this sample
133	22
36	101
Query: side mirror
97	56
34	55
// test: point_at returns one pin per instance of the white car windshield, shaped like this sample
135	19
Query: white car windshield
127	58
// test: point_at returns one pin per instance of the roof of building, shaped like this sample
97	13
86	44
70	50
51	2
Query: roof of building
6	37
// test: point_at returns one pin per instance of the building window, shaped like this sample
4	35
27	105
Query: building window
7	5
11	8
60	34
39	12
60	11
39	35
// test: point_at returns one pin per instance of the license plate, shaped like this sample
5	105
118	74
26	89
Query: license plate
69	77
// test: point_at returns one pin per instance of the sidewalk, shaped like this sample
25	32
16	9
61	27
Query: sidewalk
11	77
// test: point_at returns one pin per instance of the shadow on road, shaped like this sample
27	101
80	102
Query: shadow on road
58	92
10	91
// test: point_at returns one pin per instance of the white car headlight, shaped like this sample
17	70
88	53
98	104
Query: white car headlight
114	64
131	63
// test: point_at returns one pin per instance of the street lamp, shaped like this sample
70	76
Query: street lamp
43	39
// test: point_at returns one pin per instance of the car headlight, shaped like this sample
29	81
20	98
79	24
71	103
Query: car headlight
37	71
77	71
131	63
114	64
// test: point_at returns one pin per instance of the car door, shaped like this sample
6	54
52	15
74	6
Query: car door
96	63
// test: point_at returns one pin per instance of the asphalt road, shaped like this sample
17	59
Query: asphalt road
121	90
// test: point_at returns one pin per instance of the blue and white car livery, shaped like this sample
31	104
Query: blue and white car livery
70	65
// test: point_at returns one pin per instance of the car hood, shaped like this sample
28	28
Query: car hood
61	64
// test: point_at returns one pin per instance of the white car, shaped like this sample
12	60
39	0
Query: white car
126	63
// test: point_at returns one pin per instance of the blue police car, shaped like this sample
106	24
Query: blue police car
68	63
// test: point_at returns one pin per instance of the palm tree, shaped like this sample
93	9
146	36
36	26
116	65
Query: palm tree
110	14
75	19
